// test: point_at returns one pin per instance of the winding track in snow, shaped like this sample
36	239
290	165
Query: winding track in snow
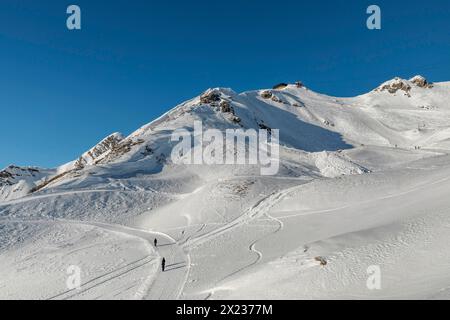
168	284
256	211
390	196
32	197
165	285
262	207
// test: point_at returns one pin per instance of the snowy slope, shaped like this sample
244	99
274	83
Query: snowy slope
362	181
17	182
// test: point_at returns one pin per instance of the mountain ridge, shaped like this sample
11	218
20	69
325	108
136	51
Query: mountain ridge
398	113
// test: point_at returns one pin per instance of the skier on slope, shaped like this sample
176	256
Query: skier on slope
163	264
156	242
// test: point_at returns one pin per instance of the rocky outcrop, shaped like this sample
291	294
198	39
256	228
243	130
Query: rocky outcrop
328	123
148	151
396	85
210	96
421	82
107	144
427	107
405	86
225	107
80	163
236	119
4	175
280	86
100	151
266	94
323	262
12	174
221	102
119	150
17	182
276	99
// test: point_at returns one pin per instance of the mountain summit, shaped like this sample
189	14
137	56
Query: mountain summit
406	114
361	186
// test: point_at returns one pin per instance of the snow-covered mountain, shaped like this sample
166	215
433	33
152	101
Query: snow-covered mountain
238	233
399	113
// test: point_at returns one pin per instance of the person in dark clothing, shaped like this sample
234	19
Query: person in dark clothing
163	264
156	242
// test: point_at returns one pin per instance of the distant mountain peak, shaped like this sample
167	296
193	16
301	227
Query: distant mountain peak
309	122
397	84
421	81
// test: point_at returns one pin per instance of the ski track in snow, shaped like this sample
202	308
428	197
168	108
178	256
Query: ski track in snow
384	126
259	210
395	195
262	208
164	285
170	284
256	211
69	193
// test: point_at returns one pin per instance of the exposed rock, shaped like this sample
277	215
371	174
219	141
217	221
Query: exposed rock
328	123
161	158
421	82
16	182
322	260
148	151
107	144
394	86
280	86
398	84
276	99
80	163
236	119
427	107
49	181
12	174
266	94
298	104
120	149
5	174
225	106
102	149
210	96
215	99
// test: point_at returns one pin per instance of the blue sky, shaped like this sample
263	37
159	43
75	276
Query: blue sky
62	91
